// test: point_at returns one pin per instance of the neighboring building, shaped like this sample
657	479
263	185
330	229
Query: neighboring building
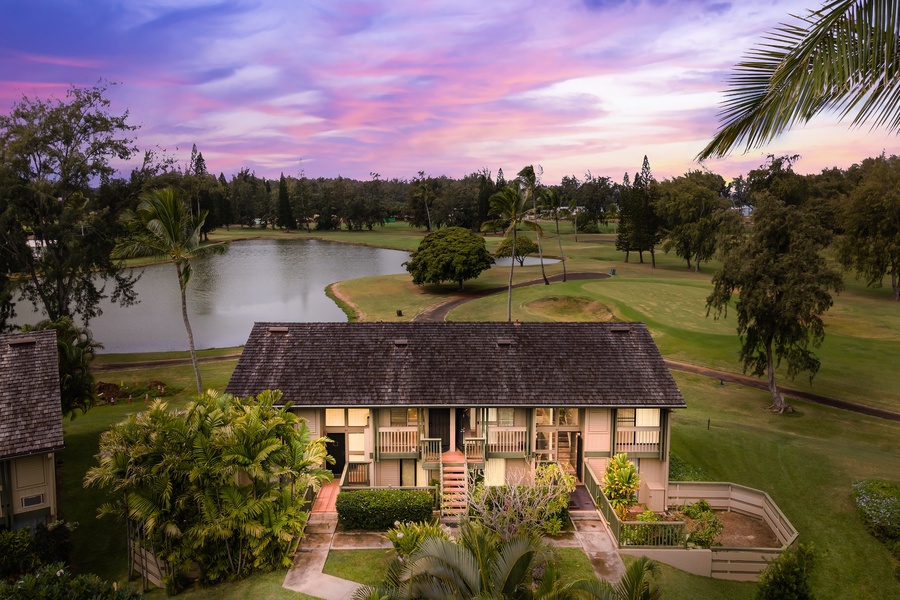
407	403
30	428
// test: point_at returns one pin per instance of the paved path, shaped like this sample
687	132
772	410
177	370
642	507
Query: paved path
306	576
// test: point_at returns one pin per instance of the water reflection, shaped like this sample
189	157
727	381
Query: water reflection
256	280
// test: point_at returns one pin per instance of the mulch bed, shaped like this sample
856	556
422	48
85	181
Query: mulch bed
745	532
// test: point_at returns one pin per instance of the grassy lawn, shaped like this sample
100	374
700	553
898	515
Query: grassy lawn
806	461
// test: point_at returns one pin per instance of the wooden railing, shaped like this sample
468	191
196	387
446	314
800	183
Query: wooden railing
474	449
508	440
430	450
398	440
637	439
355	474
658	534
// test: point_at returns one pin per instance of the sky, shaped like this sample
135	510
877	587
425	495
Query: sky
394	87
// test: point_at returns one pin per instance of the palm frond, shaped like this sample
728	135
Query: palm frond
844	57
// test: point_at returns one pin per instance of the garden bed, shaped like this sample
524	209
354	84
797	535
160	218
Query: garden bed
742	531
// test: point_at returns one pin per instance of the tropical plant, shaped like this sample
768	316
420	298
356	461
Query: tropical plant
532	190
620	484
407	537
508	209
221	484
162	227
787	577
844	56
55	582
75	349
551	198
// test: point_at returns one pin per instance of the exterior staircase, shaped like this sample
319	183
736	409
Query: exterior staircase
564	454
454	487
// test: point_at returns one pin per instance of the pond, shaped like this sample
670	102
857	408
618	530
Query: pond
256	280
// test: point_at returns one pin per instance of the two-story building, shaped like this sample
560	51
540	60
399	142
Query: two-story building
407	403
30	428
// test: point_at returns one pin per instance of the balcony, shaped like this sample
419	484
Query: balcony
507	440
398	440
634	440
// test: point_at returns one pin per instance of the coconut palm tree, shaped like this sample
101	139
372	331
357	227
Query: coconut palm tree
550	197
531	189
508	208
162	227
844	57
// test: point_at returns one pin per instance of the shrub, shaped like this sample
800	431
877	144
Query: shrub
620	484
16	554
379	509
878	502
407	537
53	543
787	577
706	525
54	582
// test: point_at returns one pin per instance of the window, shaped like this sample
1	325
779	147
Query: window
625	417
568	417
404	417
501	417
556	417
637	417
29	501
334	417
357	417
543	416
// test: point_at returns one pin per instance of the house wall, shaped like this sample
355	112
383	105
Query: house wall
387	472
313	420
31	496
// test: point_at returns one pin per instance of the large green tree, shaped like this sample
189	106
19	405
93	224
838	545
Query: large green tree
508	210
783	286
53	229
871	223
532	191
162	227
220	484
450	254
844	57
284	217
693	209
524	247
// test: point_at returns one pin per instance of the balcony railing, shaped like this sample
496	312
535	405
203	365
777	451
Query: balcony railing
474	449
507	440
430	450
398	440
355	474
637	439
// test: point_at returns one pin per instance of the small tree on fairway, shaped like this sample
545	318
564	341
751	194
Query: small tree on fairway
162	227
783	284
524	247
451	254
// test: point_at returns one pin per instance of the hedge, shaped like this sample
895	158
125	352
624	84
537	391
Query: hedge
379	509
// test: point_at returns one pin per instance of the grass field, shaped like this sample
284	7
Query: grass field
806	460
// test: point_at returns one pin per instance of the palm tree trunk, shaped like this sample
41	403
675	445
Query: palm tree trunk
512	263
187	326
541	254
562	257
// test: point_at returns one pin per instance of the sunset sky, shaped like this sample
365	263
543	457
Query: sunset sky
400	86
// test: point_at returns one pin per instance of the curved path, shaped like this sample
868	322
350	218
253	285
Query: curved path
440	311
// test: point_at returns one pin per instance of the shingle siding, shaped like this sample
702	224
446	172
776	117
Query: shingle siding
485	364
30	419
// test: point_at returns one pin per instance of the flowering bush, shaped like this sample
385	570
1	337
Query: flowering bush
879	503
407	537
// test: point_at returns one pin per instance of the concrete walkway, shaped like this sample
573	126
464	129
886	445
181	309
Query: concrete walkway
306	576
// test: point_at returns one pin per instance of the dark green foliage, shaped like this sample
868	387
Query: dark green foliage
451	254
378	510
22	551
16	554
285	216
53	152
54	582
787	577
651	531
878	502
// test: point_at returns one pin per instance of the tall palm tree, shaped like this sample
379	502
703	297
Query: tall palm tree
844	56
531	189
162	227
508	208
550	197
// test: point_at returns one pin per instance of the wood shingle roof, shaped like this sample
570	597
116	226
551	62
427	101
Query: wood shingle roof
30	419
462	364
